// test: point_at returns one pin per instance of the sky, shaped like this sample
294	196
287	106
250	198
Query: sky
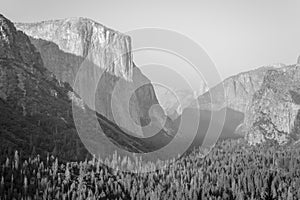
238	35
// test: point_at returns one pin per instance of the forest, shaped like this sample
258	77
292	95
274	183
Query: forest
231	170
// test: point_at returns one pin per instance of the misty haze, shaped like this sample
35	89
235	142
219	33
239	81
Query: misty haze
150	100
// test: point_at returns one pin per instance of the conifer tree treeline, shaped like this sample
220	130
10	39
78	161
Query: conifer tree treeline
232	170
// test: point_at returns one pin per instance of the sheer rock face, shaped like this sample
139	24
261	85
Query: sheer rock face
106	48
238	91
274	113
101	59
16	45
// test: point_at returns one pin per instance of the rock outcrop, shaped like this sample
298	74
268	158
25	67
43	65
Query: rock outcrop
101	59
274	112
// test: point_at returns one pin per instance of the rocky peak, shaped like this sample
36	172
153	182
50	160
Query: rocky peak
15	45
7	31
88	39
298	61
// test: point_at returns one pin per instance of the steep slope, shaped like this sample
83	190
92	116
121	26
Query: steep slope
102	60
274	112
36	109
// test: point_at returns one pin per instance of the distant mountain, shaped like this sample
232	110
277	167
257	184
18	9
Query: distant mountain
174	102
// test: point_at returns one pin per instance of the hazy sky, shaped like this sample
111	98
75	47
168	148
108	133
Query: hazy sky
237	34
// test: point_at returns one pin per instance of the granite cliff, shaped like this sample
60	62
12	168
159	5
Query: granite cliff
102	59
